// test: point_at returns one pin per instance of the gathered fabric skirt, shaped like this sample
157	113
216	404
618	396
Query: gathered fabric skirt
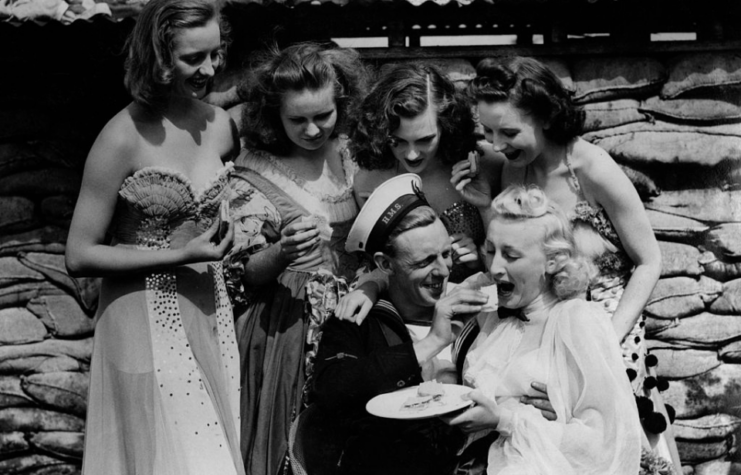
164	377
271	334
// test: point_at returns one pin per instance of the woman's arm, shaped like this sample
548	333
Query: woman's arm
597	425
609	186
297	240
355	305
110	161
265	244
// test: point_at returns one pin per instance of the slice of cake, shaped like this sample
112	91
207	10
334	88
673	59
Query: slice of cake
416	403
431	388
427	393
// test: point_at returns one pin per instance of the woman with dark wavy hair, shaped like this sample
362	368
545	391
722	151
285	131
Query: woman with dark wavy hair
530	119
414	121
164	378
293	207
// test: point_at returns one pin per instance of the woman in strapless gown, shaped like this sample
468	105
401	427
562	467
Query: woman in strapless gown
414	121
164	375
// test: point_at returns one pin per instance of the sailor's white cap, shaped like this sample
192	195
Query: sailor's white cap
389	203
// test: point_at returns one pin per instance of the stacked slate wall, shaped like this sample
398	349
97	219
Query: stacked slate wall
46	323
51	109
673	123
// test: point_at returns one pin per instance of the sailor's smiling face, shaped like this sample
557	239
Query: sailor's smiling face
422	263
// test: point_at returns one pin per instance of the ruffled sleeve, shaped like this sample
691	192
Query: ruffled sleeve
597	429
257	224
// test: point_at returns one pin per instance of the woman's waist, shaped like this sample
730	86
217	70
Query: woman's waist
305	273
326	258
193	270
174	235
606	256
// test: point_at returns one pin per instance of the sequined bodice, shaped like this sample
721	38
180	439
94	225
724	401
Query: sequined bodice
159	208
463	218
596	219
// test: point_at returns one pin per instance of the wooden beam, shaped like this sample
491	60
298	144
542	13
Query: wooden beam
580	48
397	34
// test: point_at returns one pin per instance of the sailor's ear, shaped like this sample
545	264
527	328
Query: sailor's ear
383	262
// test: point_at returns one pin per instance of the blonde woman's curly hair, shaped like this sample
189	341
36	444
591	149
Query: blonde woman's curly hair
519	203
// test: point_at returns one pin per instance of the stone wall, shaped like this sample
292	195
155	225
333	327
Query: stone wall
672	122
674	127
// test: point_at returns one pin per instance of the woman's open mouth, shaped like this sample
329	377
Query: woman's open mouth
513	155
505	289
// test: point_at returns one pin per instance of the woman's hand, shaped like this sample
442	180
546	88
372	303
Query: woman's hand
540	401
473	187
203	248
483	415
464	250
298	239
356	305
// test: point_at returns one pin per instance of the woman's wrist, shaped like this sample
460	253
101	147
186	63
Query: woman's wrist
502	421
279	256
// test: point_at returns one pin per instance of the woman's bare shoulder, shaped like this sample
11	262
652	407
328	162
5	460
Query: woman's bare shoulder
226	133
595	167
121	135
125	123
588	157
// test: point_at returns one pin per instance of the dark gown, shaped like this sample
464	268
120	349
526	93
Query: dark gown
276	329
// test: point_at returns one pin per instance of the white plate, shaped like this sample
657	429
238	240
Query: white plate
389	405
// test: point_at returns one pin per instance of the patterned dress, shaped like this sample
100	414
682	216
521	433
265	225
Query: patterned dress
164	376
606	288
276	327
